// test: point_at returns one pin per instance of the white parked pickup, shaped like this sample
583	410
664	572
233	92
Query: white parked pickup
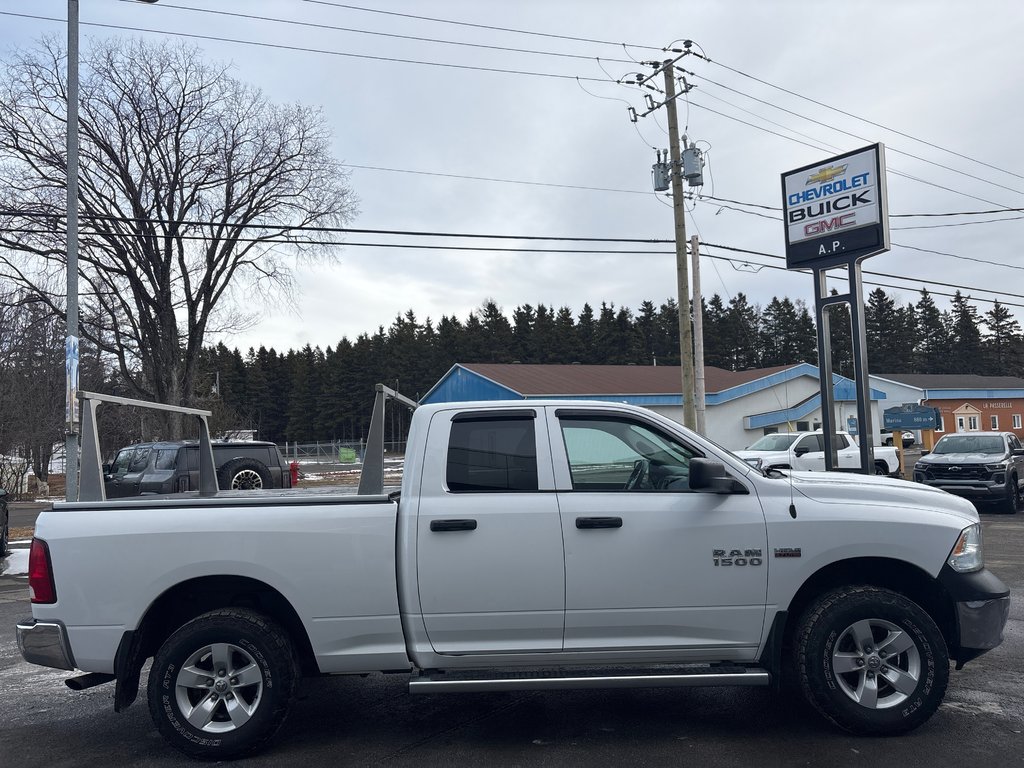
806	451
534	545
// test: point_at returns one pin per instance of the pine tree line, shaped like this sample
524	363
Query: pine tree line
325	394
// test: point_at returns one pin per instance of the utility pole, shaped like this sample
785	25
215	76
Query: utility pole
682	272
71	342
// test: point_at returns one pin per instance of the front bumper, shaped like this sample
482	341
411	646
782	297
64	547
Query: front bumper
45	643
982	605
969	489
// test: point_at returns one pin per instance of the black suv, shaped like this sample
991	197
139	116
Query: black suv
173	467
981	466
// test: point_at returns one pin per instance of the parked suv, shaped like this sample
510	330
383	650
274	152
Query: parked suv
981	466
173	466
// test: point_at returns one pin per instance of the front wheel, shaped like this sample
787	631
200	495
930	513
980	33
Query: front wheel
871	660
1012	502
221	685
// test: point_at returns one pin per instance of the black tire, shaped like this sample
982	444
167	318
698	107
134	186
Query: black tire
840	663
888	441
244	475
5	536
881	468
232	715
1012	501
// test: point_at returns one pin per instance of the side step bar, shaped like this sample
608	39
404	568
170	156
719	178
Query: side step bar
546	681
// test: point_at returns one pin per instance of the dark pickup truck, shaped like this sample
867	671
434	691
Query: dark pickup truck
173	467
980	466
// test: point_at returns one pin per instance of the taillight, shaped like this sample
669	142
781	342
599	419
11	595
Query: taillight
40	575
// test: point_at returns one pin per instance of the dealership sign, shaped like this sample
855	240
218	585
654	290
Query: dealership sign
836	211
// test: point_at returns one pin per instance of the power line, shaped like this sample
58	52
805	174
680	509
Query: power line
494	70
865	120
414	38
276	240
345	54
894	150
825	149
481	26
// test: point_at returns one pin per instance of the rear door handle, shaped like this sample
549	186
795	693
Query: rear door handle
452	525
598	522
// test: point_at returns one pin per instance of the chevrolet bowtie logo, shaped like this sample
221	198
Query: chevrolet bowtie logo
826	174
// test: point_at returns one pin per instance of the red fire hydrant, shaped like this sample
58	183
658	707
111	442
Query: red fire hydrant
293	467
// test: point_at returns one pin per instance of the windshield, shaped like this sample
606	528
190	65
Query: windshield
987	444
773	443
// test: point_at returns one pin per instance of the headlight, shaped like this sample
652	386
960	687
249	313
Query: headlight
967	553
921	466
1001	466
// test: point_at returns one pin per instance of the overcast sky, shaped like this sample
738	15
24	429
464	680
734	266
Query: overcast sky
939	82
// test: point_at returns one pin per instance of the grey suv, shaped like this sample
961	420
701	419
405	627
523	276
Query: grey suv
981	466
173	467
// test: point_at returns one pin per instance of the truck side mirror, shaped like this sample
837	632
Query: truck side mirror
801	451
710	476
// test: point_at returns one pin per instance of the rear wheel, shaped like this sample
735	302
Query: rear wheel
881	468
221	685
244	475
871	660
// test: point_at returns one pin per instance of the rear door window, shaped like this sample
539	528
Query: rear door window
492	454
166	458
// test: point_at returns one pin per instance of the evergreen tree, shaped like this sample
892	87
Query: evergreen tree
965	336
806	349
716	350
1002	342
586	332
932	338
881	326
841	336
739	334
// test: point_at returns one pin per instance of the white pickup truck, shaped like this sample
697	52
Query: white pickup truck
534	545
806	451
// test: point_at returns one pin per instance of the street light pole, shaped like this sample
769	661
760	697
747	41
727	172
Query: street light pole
71	342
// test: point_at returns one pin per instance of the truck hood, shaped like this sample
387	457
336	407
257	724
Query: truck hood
875	490
963	458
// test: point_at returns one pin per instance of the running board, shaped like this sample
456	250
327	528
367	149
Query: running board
553	680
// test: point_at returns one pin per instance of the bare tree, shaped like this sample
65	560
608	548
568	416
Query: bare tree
192	186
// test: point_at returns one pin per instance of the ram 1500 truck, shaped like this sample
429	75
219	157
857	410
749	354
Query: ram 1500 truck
533	546
806	451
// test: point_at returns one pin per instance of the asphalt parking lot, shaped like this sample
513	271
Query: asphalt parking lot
374	721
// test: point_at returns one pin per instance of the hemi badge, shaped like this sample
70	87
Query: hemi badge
787	552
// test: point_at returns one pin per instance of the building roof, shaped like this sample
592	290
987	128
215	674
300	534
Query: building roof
957	381
579	380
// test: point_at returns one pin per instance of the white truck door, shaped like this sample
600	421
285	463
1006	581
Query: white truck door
809	453
489	540
848	452
649	564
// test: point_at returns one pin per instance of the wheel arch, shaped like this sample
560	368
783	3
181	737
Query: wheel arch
187	600
887	573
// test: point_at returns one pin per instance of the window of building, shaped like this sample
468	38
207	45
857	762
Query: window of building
939	427
771	430
1016	421
803	426
489	454
972	423
995	422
